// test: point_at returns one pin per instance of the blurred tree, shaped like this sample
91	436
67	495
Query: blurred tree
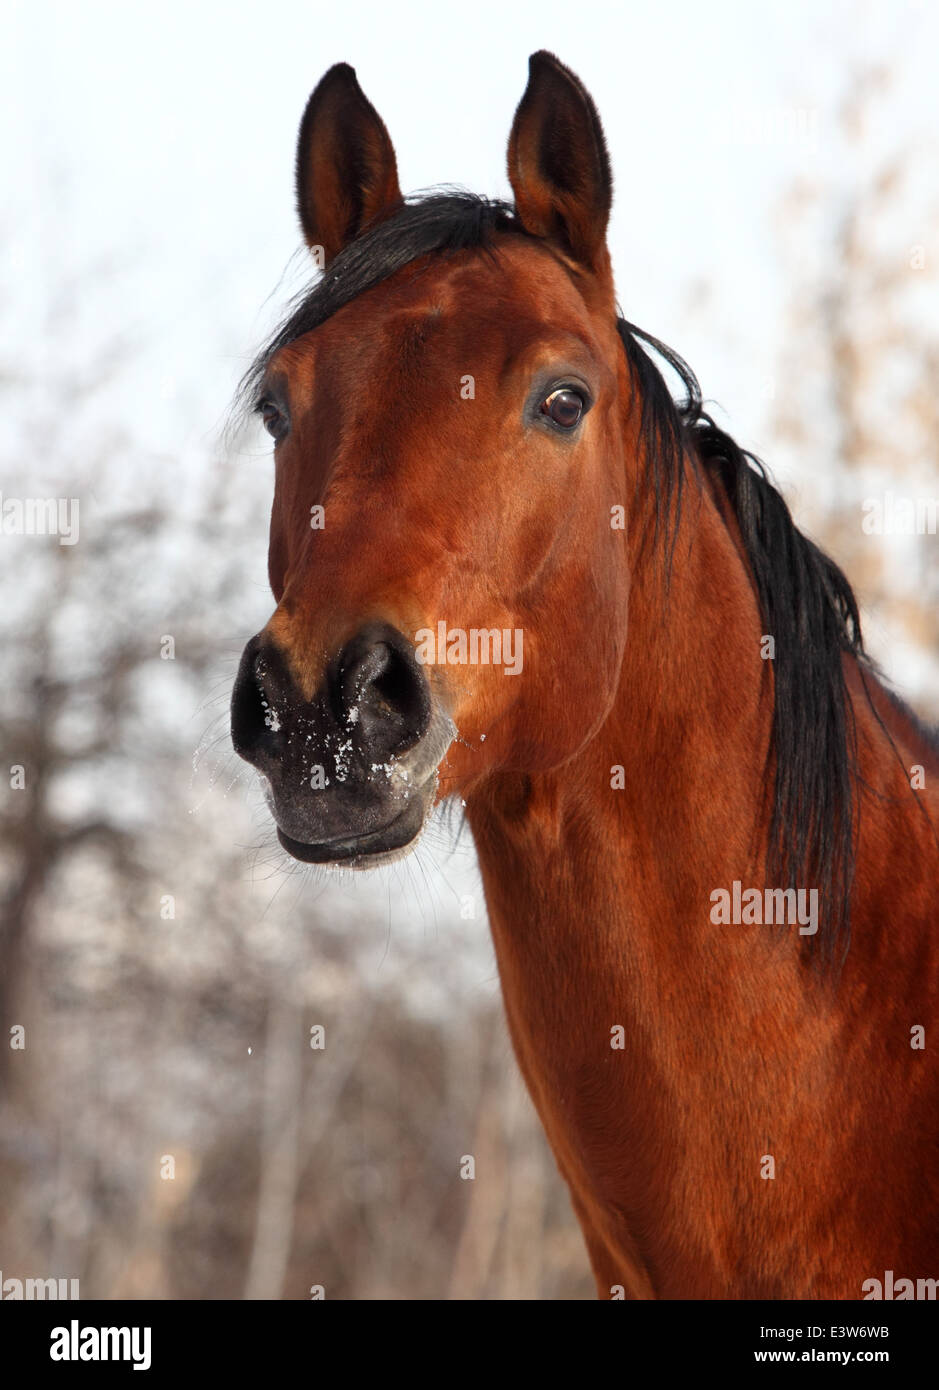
859	410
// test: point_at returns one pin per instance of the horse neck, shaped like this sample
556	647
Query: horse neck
599	902
685	740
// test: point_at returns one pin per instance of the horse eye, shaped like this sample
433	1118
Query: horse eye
564	406
273	419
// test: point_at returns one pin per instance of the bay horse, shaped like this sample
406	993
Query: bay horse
707	830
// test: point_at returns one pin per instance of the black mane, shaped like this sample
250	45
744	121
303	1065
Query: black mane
809	608
807	603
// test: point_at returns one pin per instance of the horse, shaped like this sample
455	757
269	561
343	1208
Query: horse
511	567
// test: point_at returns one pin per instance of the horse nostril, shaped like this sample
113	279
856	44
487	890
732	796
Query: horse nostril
368	669
381	688
253	703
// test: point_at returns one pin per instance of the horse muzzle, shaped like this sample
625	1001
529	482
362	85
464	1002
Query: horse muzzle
351	775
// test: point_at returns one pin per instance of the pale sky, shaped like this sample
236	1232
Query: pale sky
156	143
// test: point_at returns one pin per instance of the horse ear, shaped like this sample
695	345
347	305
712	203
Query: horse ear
346	170
558	164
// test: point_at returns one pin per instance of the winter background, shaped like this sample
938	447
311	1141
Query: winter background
167	1131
